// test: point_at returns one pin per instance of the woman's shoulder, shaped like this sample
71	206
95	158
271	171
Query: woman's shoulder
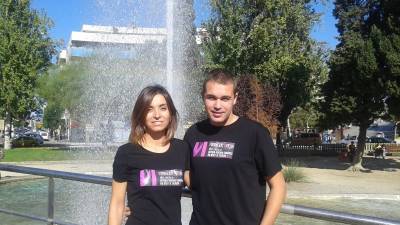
126	148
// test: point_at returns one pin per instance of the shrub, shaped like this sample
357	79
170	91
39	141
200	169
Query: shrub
292	172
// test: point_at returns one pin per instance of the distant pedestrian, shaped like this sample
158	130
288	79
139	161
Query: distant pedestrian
380	151
383	151
352	151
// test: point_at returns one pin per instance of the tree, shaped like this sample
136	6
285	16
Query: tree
364	67
304	117
259	102
62	87
25	52
52	117
270	39
384	25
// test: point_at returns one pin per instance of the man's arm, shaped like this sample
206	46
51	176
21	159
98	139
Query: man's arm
186	178
276	197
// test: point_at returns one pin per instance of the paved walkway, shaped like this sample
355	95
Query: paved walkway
329	177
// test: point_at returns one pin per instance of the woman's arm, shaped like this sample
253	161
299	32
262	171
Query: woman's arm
117	203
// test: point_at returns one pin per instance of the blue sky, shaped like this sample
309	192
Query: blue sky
69	15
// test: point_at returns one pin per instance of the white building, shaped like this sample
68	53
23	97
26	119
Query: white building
83	43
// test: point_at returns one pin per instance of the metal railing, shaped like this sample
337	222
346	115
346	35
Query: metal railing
329	149
321	214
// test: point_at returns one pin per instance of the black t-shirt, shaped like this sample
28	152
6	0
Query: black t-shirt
154	182
228	169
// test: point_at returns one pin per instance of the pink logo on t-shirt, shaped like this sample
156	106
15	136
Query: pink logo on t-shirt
200	149
148	178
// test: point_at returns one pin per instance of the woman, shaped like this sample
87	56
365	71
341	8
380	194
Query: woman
151	168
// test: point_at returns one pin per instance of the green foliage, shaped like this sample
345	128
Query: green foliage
365	67
64	84
304	117
25	52
364	80
62	87
270	39
52	116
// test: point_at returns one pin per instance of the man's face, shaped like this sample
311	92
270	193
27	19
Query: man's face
219	100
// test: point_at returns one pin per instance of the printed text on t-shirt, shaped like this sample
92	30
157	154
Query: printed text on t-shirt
214	149
150	177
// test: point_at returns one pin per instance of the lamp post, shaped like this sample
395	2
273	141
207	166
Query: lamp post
67	122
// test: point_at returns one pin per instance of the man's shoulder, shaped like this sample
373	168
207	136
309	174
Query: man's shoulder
198	125
196	129
254	126
252	123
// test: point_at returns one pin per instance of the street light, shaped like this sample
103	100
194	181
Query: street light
67	120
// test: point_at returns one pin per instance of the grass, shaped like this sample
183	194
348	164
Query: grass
292	172
397	154
35	154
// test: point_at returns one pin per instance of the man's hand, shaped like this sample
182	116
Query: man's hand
127	211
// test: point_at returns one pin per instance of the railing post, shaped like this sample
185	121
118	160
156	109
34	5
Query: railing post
50	202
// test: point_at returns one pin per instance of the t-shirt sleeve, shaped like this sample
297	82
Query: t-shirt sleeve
186	139
120	166
266	155
187	135
188	154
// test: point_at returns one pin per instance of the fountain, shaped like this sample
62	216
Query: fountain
115	74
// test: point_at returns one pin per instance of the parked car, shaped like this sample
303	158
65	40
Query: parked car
25	141
376	139
44	135
348	140
37	136
307	139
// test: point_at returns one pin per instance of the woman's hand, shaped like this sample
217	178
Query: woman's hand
117	203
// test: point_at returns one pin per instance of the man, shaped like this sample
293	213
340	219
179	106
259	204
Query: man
352	151
232	160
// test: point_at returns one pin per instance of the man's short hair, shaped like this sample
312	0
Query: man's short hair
220	76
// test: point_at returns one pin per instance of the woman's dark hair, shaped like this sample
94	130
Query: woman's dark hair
140	110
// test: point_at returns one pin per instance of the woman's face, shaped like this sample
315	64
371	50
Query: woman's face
158	116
